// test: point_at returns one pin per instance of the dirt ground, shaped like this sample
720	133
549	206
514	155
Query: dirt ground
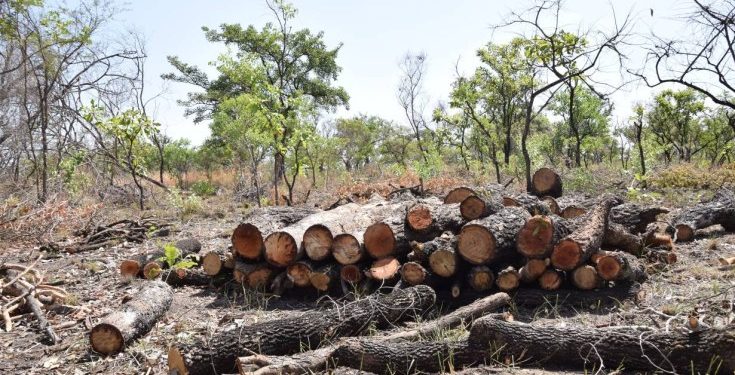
694	284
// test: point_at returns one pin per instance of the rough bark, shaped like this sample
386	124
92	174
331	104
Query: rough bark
546	182
530	203
457	195
186	277
477	207
290	335
134	319
617	237
620	266
719	210
635	218
426	220
576	248
492	238
531	297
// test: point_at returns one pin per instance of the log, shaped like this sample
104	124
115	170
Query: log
718	210
635	218
428	219
150	265
576	248
628	347
537	237
346	249
476	207
531	297
318	242
413	273
351	273
546	182
384	270
508	279
293	334
533	269
552	204
550	279
654	239
530	203
439	254
617	237
572	211
325	277
457	195
300	273
480	278
247	238
186	277
281	249
620	266
492	238
215	261
134	319
386	238
253	275
586	278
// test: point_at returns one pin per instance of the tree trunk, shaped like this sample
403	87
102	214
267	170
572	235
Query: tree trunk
476	207
531	203
134	319
493	238
546	182
215	261
718	210
150	265
300	273
384	270
346	249
574	249
429	219
186	277
635	218
387	237
290	335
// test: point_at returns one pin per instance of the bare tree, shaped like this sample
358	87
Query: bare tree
412	99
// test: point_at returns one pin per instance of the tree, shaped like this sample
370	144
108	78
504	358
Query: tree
637	121
179	156
357	138
295	71
675	119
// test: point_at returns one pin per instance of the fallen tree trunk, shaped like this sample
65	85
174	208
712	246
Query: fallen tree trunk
635	218
428	219
384	270
719	210
576	248
134	319
476	207
546	182
530	203
573	297
492	238
150	265
290	335
300	272
247	239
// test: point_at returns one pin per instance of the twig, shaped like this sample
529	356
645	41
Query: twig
16	278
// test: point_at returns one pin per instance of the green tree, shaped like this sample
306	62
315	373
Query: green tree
180	159
675	118
357	138
287	73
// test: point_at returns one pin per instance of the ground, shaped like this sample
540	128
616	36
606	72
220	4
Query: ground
695	283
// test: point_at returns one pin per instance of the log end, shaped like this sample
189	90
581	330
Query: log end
585	278
129	268
684	232
535	237
176	363
281	249
532	270
443	262
106	339
546	182
379	240
570	212
550	280
481	278
566	255
346	249
151	270
419	218
260	278
476	244
247	241
350	273
384	269
318	242
211	263
608	268
413	273
472	208
300	274
508	279
457	195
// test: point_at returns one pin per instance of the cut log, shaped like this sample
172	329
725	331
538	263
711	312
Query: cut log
247	239
281	283
550	279
413	273
552	204
531	297
324	278
476	207
546	182
281	250
572	211
508	279
300	273
617	237
213	262
530	203
429	219
586	278
134	319
346	249
574	249
439	254
539	234
635	218
291	335
385	269
654	239
186	277
719	210
492	238
318	240
480	278
620	266
351	273
533	269
457	195
150	265
253	275
630	348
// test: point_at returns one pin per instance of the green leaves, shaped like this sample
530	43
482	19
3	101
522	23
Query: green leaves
172	257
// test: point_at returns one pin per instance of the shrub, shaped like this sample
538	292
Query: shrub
203	188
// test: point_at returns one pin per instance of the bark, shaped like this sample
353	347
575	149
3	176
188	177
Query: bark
186	277
617	237
133	320
253	275
635	218
546	182
531	203
630	348
457	195
477	207
492	238
215	261
440	254
247	239
719	210
508	279
619	266
576	248
387	237
480	278
291	335
531	297
426	220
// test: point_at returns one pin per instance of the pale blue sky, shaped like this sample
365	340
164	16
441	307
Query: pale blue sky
376	34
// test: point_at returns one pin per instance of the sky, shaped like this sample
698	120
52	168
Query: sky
375	35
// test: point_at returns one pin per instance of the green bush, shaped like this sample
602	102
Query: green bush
203	188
